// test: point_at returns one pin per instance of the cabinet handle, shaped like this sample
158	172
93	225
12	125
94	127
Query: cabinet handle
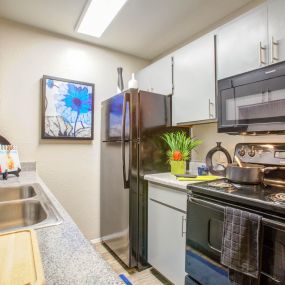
211	116
182	229
262	50
274	44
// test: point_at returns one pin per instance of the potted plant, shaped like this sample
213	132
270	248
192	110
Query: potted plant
180	147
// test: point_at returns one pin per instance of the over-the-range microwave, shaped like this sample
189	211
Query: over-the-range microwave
253	102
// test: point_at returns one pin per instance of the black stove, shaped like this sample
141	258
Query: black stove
207	202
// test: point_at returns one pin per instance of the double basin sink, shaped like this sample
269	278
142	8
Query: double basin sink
26	206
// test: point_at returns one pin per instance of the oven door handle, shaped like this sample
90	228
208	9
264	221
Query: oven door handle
273	224
207	204
265	221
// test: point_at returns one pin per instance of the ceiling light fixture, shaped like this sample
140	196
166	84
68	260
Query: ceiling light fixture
98	16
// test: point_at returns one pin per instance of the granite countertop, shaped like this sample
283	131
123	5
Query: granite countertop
68	257
168	179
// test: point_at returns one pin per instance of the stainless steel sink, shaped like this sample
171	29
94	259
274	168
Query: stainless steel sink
26	207
21	214
16	193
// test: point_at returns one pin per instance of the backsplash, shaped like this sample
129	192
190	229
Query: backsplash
208	134
28	166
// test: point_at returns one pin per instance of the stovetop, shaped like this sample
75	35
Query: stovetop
261	196
271	198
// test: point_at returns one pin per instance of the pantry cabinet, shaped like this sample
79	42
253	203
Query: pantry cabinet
242	45
166	231
194	81
276	30
157	77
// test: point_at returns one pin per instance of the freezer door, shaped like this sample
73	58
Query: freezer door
111	118
115	202
154	112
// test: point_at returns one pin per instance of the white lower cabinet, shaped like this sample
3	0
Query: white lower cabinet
166	232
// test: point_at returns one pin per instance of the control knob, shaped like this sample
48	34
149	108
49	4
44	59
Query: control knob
251	153
241	152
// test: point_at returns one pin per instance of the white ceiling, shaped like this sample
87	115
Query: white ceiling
144	28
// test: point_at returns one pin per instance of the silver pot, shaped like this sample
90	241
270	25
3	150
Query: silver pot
248	173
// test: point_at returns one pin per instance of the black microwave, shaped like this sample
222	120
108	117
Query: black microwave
253	102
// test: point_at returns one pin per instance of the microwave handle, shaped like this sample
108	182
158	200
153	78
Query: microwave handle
265	221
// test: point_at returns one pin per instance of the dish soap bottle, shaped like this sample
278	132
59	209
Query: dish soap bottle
133	83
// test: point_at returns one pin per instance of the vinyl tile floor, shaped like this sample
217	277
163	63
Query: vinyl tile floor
146	277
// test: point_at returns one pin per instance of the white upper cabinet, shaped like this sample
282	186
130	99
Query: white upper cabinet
242	45
253	40
194	81
276	30
157	77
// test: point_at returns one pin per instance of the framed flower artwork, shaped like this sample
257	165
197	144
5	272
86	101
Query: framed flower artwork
67	109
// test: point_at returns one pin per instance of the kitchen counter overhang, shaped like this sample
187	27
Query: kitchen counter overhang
167	179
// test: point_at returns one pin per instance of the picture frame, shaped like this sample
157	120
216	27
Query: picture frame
67	109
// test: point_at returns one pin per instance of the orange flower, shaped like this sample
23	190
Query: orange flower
177	155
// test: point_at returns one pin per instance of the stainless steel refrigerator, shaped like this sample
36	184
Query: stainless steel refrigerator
131	146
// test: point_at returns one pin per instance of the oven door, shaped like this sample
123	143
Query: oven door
203	243
204	240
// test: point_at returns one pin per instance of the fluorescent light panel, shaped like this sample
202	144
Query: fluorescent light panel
98	16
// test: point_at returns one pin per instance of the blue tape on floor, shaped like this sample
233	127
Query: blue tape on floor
125	279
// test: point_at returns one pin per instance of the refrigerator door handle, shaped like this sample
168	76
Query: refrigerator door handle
123	140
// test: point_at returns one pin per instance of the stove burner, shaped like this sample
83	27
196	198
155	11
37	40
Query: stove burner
227	187
220	184
279	197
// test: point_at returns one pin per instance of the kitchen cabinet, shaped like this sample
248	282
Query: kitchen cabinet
166	231
157	77
253	40
194	81
242	45
276	30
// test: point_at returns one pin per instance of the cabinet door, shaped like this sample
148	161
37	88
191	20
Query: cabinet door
157	77
242	45
276	29
166	241
194	81
143	77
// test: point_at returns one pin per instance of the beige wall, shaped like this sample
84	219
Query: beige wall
208	133
71	170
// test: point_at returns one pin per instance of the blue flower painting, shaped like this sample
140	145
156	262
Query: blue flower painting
68	109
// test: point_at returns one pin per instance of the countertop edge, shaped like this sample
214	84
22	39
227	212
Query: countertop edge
167	179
